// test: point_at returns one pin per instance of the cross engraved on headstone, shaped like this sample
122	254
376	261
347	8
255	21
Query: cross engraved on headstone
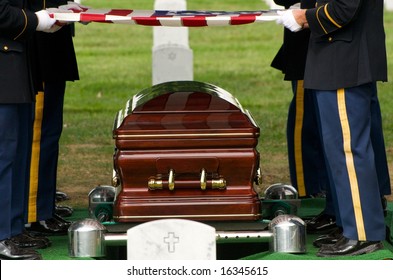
171	240
172	56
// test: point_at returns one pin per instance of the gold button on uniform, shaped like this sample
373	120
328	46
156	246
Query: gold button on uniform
5	48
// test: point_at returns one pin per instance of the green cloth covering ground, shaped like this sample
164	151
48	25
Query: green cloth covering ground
309	207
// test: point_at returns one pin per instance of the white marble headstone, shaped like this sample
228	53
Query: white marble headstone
172	57
389	5
171	239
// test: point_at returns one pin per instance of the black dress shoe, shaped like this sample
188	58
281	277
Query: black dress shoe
322	223
25	240
348	247
330	238
9	251
61	222
41	237
64	211
61	196
48	227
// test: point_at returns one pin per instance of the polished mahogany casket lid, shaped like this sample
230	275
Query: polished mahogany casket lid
185	150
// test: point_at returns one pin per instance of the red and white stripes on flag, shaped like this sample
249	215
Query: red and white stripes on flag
168	18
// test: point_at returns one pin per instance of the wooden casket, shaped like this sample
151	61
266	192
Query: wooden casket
185	150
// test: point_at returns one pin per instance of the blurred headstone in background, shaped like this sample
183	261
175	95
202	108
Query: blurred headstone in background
389	5
172	56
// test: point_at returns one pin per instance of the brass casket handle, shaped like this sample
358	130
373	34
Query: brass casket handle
258	177
171	180
205	181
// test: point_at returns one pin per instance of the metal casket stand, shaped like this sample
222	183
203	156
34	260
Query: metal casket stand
286	234
86	239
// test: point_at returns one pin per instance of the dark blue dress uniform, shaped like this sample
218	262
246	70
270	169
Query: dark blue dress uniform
346	58
55	64
17	24
305	155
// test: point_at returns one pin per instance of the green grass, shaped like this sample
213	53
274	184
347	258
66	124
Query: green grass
115	63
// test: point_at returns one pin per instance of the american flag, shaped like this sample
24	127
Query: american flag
168	18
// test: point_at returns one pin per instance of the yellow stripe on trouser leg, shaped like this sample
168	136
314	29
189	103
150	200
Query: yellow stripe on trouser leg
353	181
298	149
35	158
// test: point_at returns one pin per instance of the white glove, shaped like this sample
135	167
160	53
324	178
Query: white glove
59	24
54	28
288	20
72	6
45	22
